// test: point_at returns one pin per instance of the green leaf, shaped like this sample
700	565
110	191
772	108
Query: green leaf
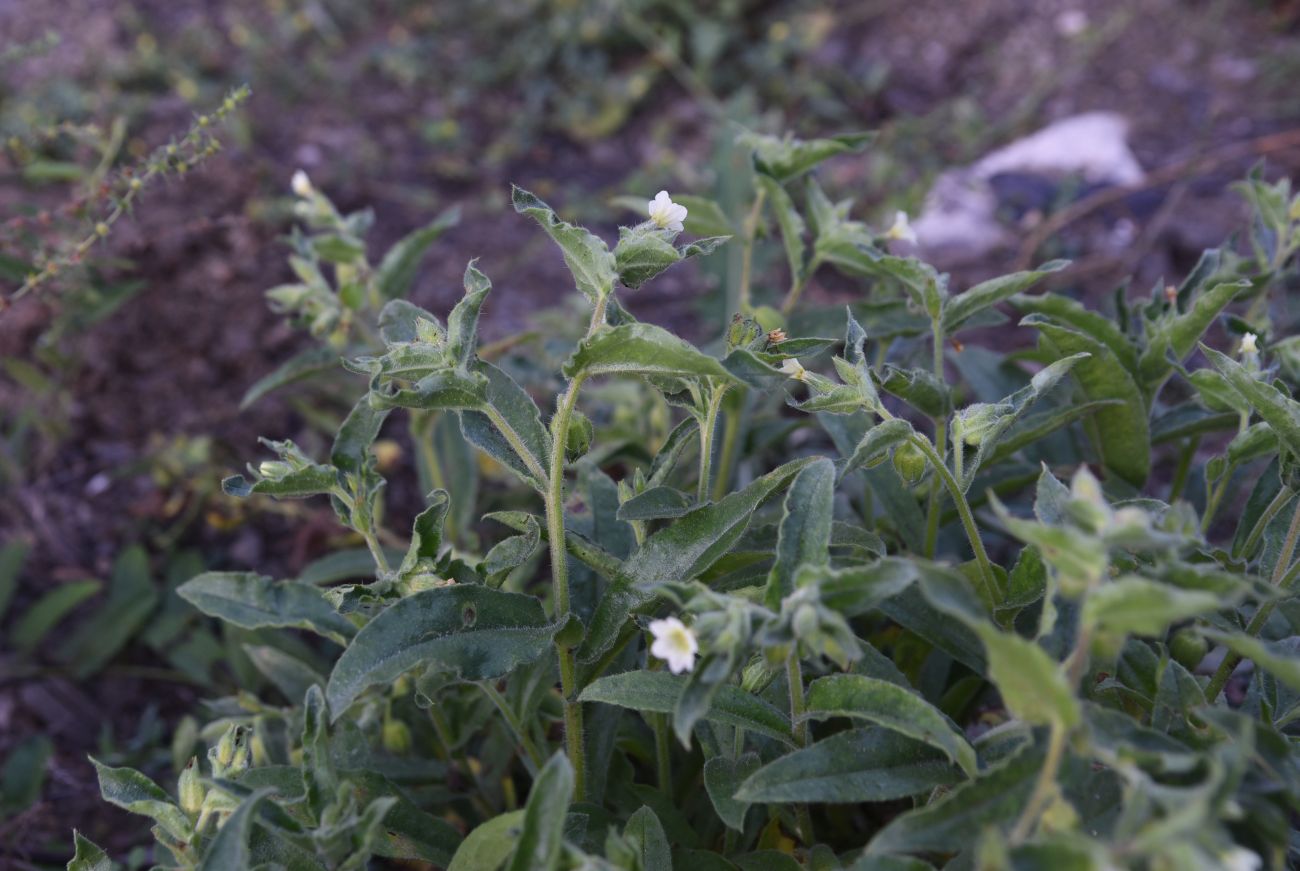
1033	685
859	765
132	791
722	777
648	841
855	590
1064	311
787	158
586	255
23	774
543	827
1123	431
12	557
489	845
230	847
474	632
658	691
1183	333
680	552
1280	411
514	436
462	323
1277	659
297	368
396	272
684	434
1132	605
408	832
314	480
131	600
644	350
889	705
512	552
642	253
253	601
958	309
790	221
34	623
656	503
956	820
351	451
426	537
804	536
89	856
877	442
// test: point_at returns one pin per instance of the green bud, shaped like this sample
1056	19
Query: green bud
743	333
578	439
975	421
1188	648
396	737
189	788
805	622
909	462
757	675
274	469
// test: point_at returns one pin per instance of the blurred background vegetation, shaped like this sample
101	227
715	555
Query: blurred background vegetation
144	207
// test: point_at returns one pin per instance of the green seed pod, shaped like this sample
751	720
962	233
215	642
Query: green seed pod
1188	648
909	462
578	439
189	788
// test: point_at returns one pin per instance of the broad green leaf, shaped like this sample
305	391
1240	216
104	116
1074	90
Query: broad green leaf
351	451
254	601
855	590
959	308
426	537
489	845
34	623
396	272
1035	427
88	856
230	848
512	552
473	632
313	480
722	777
642	253
685	433
648	841
12	557
298	367
658	691
343	565
644	350
919	388
889	705
586	255
680	552
1033	686
1280	411
132	598
132	791
408	832
1133	605
956	820
784	158
1123	432
513	435
859	765
804	536
541	837
1182	333
656	503
1067	312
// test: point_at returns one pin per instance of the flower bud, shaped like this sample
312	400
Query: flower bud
189	789
578	438
909	462
301	184
274	469
975	421
805	622
396	737
743	332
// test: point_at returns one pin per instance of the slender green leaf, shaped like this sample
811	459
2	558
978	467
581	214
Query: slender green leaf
586	255
254	601
36	622
961	307
722	777
488	846
297	368
541	837
88	856
644	350
804	536
132	791
396	272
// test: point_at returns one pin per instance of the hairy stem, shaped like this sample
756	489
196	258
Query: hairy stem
1045	786
747	251
1281	574
941	447
707	428
797	283
1257	532
794	677
730	438
663	753
964	513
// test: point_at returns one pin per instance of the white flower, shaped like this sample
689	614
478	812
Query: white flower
1241	859
665	213
1248	345
793	368
301	184
674	643
902	229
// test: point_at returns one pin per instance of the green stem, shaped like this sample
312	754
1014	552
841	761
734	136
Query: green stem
1216	496
573	730
1279	502
1184	468
1281	575
1045	786
663	750
799	726
730	438
798	282
941	446
535	757
964	513
747	251
707	428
